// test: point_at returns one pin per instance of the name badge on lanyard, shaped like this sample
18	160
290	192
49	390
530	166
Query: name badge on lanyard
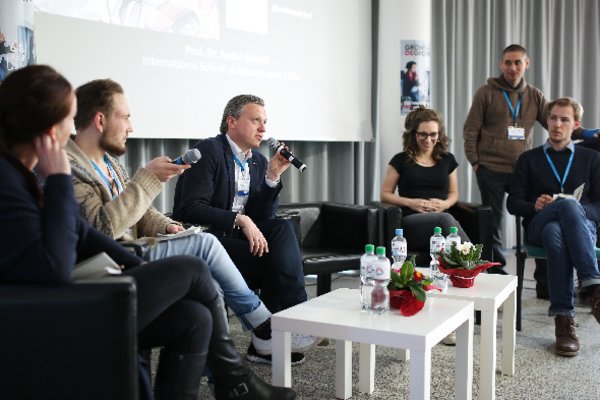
514	132
242	186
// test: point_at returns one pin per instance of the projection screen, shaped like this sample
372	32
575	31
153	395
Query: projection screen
180	61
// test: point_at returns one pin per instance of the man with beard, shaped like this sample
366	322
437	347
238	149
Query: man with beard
121	207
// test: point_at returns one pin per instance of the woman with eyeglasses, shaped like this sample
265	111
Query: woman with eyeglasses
425	177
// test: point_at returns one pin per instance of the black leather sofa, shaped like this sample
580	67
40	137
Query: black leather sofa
332	236
475	219
70	342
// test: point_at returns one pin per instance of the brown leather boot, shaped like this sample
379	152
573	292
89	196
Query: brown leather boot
594	301
567	341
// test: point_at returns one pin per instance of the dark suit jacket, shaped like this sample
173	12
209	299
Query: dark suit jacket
204	193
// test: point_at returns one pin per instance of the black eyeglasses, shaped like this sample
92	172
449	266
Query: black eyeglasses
425	135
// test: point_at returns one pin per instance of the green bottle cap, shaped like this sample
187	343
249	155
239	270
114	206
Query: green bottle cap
369	248
437	230
453	229
380	251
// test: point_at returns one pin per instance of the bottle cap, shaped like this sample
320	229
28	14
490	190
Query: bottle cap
380	251
453	229
369	248
437	230
399	232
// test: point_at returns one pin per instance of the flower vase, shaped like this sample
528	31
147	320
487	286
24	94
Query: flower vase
404	300
465	278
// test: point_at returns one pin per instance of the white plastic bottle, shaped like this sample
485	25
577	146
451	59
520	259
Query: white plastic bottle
437	243
380	295
367	262
452	238
399	249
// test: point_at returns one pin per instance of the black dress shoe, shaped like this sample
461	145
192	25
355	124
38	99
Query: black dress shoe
253	356
497	270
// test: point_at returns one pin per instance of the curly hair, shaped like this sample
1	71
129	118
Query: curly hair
411	124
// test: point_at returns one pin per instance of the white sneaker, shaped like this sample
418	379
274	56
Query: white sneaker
450	340
300	343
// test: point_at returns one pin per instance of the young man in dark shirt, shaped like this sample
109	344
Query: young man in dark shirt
542	188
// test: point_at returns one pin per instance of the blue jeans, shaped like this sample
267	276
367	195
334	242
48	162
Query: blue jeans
237	295
569	239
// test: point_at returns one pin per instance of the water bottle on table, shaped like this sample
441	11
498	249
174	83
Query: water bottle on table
367	262
380	295
437	243
399	249
452	238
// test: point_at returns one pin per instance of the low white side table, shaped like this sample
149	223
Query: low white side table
337	315
488	294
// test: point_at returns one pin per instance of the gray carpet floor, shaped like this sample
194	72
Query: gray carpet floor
539	373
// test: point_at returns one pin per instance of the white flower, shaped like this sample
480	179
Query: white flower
465	248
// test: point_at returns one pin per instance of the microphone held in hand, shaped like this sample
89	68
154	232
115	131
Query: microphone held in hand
190	157
285	153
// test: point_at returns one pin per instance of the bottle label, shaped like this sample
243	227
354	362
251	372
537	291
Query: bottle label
382	272
399	249
436	245
365	268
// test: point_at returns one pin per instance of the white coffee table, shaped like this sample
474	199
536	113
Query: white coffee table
337	315
489	293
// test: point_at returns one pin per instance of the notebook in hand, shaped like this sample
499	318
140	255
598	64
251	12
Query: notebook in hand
576	194
98	266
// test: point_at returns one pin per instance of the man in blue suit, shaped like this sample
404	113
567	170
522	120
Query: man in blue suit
236	192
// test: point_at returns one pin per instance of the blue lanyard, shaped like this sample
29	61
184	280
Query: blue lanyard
564	178
238	162
113	175
515	113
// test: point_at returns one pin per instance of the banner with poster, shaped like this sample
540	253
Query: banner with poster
17	46
415	74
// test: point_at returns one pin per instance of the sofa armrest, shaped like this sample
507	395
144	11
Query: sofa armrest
390	220
477	221
73	341
349	226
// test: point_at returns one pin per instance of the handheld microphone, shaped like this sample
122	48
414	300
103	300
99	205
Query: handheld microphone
288	156
190	157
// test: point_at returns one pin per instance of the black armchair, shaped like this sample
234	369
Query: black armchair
70	342
332	236
475	219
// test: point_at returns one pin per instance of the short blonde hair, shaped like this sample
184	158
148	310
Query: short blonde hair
566	102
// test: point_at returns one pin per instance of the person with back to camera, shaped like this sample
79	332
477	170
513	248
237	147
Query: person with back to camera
178	306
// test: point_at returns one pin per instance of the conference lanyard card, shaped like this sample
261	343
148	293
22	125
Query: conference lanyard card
516	133
243	185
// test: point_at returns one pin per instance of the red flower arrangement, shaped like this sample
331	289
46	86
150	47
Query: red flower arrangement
408	288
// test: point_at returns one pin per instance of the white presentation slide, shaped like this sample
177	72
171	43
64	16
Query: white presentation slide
180	61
